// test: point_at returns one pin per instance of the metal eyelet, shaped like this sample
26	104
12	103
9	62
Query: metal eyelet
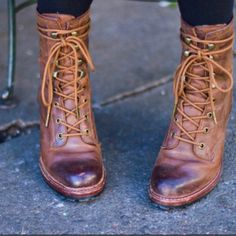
55	74
86	117
56	104
187	53
206	130
211	46
85	100
54	90
60	136
74	33
172	134
187	40
214	100
80	62
58	121
54	35
176	119
81	74
87	131
201	146
211	57
210	115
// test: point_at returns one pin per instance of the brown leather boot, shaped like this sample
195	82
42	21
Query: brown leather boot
189	164
71	159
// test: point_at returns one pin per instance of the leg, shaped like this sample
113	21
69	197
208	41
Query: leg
189	164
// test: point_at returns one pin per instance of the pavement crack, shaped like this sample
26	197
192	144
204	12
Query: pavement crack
137	91
16	128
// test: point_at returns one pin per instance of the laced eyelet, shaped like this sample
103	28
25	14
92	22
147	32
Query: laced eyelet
187	53
60	136
176	119
74	33
201	146
210	115
54	90
211	46
86	117
172	134
54	35
55	74
58	121
187	40
81	74
80	62
206	130
211	57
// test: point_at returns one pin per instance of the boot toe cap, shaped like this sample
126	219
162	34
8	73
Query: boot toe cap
176	182
77	173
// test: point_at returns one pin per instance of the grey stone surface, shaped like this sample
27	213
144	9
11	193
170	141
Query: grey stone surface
131	46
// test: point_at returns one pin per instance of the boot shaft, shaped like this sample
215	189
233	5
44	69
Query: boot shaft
65	95
202	89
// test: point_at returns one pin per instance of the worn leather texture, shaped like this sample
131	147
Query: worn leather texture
71	158
189	163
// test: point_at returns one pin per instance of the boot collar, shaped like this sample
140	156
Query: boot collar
61	21
210	32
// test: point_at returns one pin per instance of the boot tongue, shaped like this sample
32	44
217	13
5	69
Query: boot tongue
194	97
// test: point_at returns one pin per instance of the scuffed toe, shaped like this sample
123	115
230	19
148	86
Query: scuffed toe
77	173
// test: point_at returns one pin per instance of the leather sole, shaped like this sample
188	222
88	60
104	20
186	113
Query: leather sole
76	193
182	201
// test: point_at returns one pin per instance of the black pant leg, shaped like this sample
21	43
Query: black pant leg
70	7
206	12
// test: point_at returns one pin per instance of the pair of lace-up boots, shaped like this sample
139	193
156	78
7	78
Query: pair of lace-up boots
189	164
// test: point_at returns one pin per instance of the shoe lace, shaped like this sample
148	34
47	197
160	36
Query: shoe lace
186	81
68	45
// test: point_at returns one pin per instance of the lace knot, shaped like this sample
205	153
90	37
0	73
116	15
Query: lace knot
199	54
